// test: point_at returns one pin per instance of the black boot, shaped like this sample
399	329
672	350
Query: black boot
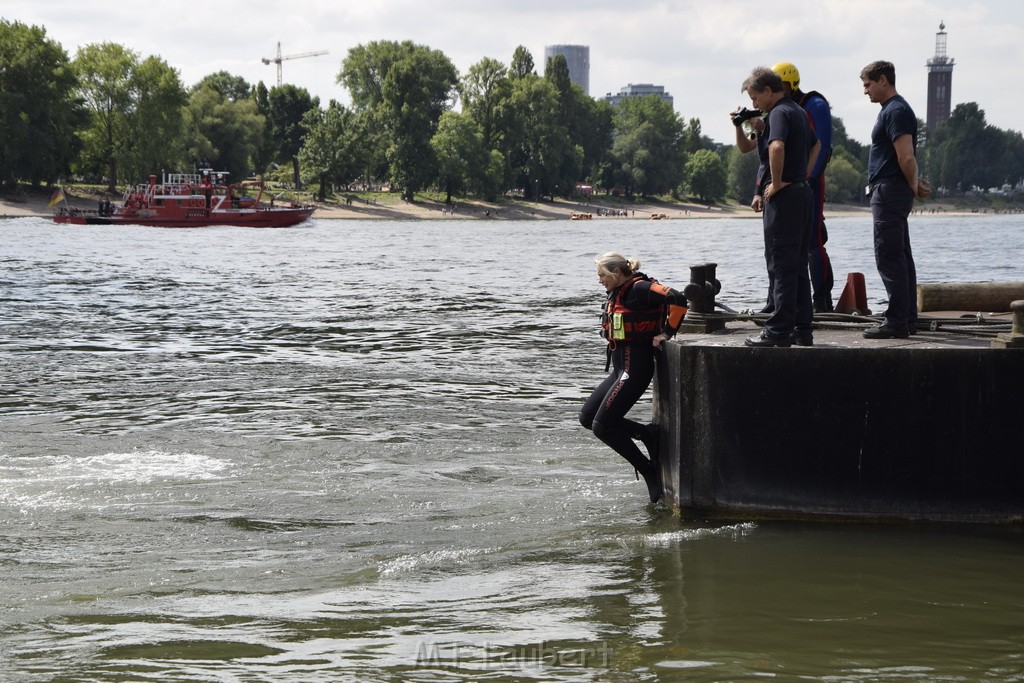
650	436
823	303
647	434
650	471
654	487
620	441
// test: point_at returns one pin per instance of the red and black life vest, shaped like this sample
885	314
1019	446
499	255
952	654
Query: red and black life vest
624	324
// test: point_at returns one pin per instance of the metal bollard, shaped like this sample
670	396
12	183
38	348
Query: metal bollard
1015	338
700	294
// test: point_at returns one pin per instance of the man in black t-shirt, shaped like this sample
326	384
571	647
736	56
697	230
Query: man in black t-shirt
893	183
788	210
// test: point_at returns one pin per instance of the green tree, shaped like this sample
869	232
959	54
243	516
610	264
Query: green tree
548	132
485	91
407	87
742	175
233	88
706	175
492	182
288	107
693	139
459	148
364	69
222	134
157	129
39	111
265	153
595	133
331	152
416	92
557	72
844	182
105	82
135	111
1013	152
522	63
649	147
373	147
537	144
967	152
857	153
571	110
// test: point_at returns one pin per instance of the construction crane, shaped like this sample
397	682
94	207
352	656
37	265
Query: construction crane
279	58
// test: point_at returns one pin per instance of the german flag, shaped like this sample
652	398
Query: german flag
57	198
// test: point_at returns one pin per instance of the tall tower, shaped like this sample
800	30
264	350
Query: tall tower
578	59
940	82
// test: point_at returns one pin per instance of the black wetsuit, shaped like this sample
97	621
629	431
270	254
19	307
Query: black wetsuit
632	369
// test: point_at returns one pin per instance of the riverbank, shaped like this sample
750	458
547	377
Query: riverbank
389	206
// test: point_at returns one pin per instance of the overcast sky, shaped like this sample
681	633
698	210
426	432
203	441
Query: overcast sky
699	50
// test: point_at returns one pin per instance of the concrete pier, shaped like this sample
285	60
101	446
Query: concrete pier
925	428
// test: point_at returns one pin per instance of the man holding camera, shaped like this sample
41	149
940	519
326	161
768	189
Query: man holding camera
747	143
790	150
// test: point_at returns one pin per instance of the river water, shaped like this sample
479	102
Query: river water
348	451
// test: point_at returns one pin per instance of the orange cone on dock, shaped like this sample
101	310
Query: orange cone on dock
854	298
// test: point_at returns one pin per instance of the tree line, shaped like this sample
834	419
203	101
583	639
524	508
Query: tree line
414	124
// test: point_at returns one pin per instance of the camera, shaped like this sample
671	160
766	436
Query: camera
744	114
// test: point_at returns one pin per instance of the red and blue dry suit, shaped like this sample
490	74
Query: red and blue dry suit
636	312
820	115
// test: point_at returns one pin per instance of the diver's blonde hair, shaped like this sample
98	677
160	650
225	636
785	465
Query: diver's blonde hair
613	263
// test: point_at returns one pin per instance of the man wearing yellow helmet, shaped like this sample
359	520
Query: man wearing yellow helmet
820	114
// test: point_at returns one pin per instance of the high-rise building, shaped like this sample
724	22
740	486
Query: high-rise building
940	82
578	59
638	90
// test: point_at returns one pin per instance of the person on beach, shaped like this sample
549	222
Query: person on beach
893	184
819	113
788	210
640	314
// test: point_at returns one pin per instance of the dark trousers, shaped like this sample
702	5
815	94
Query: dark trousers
822	278
892	200
788	217
605	411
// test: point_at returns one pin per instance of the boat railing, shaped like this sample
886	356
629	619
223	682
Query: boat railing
75	211
182	179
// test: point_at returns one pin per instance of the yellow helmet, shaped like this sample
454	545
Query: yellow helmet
788	73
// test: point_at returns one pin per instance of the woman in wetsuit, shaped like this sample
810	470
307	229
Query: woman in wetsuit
639	315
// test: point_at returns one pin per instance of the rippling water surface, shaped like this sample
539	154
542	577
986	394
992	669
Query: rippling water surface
349	452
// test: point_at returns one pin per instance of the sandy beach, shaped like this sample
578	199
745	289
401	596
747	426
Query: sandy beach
391	207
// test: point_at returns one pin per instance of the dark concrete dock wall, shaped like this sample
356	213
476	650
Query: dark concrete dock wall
889	433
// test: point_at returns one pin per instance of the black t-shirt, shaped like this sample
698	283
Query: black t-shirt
895	119
787	122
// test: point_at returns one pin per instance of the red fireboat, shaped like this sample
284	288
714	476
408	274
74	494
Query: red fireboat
192	200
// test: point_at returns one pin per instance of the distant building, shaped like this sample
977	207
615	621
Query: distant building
578	59
940	82
638	90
